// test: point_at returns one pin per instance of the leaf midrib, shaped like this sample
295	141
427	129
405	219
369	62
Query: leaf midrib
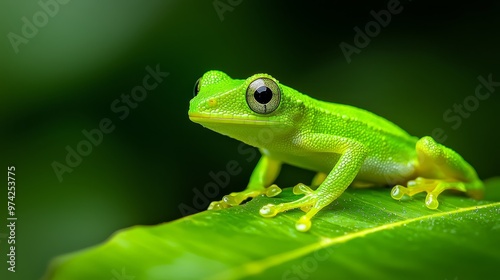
256	267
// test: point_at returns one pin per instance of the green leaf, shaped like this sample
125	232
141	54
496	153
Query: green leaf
363	234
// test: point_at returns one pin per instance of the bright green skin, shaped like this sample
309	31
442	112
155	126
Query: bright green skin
344	144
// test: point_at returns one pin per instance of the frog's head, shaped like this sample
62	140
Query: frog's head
244	109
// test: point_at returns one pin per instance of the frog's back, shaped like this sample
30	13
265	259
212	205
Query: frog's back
363	119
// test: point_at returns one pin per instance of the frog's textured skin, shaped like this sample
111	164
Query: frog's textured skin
345	145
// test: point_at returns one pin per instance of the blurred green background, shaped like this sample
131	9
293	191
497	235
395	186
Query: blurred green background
64	63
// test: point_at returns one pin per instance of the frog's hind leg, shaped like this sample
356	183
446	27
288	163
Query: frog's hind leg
440	168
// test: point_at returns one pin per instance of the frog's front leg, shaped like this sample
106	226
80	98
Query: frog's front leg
338	179
439	169
262	177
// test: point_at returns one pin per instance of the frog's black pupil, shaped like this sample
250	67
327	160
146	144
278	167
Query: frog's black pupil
263	95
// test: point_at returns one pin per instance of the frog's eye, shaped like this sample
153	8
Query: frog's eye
196	88
263	96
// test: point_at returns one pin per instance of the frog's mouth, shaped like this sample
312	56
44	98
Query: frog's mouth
230	119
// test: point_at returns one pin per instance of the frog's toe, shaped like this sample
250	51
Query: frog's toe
306	204
302	189
433	187
398	192
271	210
268	211
309	203
217	205
272	190
236	198
303	224
431	201
233	199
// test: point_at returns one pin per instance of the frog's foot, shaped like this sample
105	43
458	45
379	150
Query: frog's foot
311	203
236	198
433	187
